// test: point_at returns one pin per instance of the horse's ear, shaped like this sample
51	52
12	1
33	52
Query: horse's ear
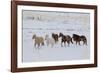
52	33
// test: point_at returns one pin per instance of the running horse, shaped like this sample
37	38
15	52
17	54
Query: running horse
78	38
65	38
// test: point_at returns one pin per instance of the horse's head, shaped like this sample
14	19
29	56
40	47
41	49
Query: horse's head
60	34
53	34
73	36
34	36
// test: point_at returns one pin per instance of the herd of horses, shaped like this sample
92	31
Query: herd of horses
39	40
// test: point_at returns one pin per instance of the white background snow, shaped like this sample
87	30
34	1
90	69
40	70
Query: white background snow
42	23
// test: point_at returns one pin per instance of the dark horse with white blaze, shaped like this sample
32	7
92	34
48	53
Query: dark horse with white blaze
78	38
65	38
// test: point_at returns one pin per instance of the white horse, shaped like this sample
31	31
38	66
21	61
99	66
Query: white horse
38	40
49	41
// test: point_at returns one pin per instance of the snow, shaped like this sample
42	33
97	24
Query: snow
56	53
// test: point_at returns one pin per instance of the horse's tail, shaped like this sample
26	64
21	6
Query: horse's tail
71	41
86	41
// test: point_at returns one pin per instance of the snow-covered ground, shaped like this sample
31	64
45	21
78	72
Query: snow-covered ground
56	53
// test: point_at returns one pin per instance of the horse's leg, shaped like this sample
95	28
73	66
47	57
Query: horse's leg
83	42
47	43
35	45
61	44
42	43
79	42
38	45
68	43
52	44
55	41
76	42
65	43
86	42
71	41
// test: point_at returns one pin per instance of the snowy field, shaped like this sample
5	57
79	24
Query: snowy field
56	53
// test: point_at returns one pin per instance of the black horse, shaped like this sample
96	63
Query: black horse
78	38
55	37
65	38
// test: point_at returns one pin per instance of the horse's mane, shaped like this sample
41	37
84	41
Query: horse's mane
75	35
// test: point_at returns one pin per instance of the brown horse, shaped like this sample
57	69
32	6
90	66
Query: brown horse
55	37
83	38
78	38
65	38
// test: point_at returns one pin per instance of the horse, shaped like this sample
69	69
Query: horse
78	38
38	40
65	38
83	38
55	37
49	41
